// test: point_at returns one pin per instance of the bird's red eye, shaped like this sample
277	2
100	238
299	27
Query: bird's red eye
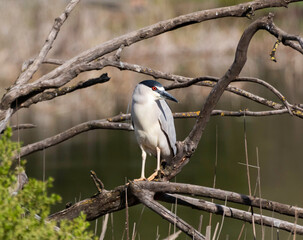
154	88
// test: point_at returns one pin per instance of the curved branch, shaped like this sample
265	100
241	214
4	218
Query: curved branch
287	38
61	137
187	148
271	88
147	198
232	73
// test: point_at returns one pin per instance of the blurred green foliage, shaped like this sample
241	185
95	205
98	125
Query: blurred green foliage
24	215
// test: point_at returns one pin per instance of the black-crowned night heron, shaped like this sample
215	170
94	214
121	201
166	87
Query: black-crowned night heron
153	122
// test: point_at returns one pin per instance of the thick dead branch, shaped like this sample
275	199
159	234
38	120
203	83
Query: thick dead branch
98	205
114	200
147	198
186	148
232	73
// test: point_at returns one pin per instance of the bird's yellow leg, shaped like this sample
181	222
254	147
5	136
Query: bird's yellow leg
155	174
158	159
142	178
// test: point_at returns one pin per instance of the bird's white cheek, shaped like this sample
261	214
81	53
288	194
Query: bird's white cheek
154	96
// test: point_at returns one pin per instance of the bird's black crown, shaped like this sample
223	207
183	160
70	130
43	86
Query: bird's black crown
151	83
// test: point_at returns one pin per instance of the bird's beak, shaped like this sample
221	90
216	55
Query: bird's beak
166	95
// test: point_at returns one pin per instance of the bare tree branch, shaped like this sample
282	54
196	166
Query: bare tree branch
232	73
209	81
45	61
180	188
147	198
271	88
51	94
23	126
29	70
186	148
232	212
114	200
61	137
287	38
241	113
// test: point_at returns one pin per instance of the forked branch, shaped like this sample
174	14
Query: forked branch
148	192
188	146
147	198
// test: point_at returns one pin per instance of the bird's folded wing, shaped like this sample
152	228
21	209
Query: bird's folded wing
167	124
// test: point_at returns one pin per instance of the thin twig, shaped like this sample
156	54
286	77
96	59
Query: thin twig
222	221
215	232
126	215
200	223
248	174
23	126
104	227
134	231
98	183
260	195
215	171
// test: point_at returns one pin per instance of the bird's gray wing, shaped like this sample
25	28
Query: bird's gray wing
166	120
